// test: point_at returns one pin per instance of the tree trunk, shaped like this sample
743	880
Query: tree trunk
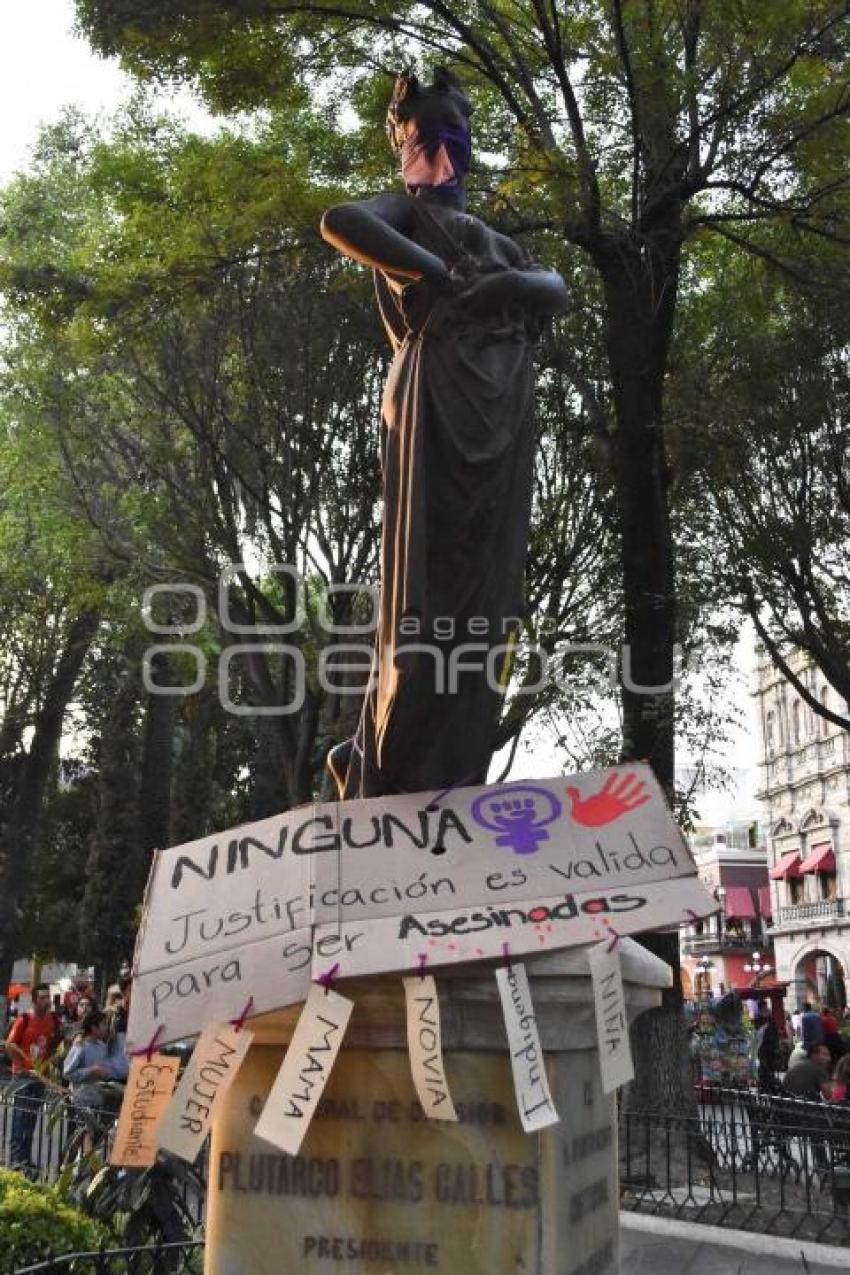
638	339
640	286
26	808
157	763
115	871
192	804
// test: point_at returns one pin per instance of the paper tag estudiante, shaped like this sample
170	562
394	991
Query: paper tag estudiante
217	1057
424	1043
534	1101
150	1084
612	1026
298	1085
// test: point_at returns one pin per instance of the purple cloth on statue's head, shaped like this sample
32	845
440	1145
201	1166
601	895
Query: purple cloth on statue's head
425	143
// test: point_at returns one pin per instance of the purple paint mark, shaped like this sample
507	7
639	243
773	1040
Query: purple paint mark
238	1023
149	1050
328	977
519	813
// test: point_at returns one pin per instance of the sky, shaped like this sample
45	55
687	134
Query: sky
44	68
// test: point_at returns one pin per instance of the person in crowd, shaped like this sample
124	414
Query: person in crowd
31	1043
831	1035
72	1028
839	1087
89	1063
811	1033
766	1051
118	1026
807	1078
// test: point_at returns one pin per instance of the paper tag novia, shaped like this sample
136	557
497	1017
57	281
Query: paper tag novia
424	1043
303	1075
212	1069
150	1084
612	1025
534	1101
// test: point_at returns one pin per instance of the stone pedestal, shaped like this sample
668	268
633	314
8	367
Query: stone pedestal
379	1189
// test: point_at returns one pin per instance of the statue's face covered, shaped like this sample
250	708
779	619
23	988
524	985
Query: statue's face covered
429	129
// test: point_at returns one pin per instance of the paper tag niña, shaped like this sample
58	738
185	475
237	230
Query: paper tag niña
424	1043
612	1025
304	1072
150	1084
534	1101
212	1069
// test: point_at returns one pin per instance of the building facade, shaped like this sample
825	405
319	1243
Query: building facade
732	862
805	791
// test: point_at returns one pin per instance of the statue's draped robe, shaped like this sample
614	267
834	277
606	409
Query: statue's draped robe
457	456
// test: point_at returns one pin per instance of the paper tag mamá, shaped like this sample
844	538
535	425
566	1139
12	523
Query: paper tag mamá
298	1086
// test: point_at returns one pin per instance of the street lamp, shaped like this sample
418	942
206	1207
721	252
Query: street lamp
757	967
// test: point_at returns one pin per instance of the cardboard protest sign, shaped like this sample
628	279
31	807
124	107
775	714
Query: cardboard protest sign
211	1071
150	1084
533	1099
424	1044
259	910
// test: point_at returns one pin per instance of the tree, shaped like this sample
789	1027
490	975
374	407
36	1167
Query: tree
628	130
774	464
643	125
230	407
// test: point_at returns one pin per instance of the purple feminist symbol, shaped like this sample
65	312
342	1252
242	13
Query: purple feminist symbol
520	813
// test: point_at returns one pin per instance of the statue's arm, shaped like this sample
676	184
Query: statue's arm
540	290
377	232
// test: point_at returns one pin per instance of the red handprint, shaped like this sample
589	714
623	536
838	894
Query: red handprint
618	795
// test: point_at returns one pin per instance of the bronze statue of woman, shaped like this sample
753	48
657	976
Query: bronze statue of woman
461	305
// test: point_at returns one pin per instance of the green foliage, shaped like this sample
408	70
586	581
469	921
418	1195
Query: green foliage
36	1223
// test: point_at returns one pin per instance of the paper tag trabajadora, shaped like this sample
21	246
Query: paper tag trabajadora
424	1043
150	1084
304	1073
212	1069
612	1025
533	1099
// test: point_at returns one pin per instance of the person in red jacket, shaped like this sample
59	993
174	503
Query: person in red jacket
30	1044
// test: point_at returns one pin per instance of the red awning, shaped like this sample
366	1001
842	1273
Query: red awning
788	866
765	907
821	859
739	903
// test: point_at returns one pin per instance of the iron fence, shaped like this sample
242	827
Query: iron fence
57	1126
72	1143
746	1160
153	1259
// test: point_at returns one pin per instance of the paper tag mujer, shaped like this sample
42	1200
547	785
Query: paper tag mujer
216	1058
425	1046
150	1084
298	1086
533	1099
612	1025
